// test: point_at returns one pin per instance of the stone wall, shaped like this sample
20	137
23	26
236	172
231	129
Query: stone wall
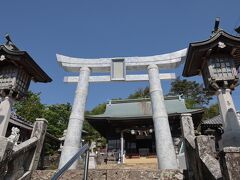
230	163
115	174
203	161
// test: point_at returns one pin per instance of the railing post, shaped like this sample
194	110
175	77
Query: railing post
85	177
39	131
6	150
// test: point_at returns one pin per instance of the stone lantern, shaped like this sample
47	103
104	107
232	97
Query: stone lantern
17	69
217	60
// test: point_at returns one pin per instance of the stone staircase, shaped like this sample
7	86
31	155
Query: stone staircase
114	174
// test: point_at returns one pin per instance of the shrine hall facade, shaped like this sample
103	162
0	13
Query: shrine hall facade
127	125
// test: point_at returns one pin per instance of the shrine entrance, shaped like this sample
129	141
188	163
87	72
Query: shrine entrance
117	69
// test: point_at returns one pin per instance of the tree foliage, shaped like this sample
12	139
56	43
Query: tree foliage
99	109
191	91
140	93
211	111
92	134
30	107
57	116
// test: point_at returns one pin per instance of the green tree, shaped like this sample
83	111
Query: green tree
92	134
211	111
99	109
191	91
30	107
57	116
140	93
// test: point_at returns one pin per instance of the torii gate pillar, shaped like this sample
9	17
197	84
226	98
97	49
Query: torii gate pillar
164	144
74	133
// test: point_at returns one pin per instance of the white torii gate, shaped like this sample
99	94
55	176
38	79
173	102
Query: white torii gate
118	68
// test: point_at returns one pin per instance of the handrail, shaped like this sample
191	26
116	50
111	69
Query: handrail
71	161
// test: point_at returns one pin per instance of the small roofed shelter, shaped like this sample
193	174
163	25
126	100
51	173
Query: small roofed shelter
217	59
131	119
17	69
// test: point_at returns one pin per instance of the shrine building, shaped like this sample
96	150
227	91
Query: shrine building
128	128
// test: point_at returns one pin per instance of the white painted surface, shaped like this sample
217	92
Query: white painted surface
164	144
74	131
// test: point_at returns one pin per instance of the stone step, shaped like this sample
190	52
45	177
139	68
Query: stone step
115	174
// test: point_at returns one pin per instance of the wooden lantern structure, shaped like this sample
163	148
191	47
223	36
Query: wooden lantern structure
216	59
17	69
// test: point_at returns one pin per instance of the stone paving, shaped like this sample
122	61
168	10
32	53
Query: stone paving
137	166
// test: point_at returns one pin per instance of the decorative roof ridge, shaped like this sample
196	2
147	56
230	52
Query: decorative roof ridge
119	101
214	37
9	44
14	116
9	48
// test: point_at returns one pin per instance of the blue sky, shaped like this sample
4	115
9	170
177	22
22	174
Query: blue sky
108	28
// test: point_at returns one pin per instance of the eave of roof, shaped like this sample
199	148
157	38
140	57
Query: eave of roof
23	59
100	116
217	120
142	110
193	64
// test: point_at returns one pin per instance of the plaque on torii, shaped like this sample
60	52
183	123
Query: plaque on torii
118	69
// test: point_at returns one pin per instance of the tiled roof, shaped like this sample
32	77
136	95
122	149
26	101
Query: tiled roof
142	108
18	120
217	120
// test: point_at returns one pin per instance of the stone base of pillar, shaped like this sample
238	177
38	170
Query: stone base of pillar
230	163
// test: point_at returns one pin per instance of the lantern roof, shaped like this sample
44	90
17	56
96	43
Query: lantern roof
219	43
10	54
